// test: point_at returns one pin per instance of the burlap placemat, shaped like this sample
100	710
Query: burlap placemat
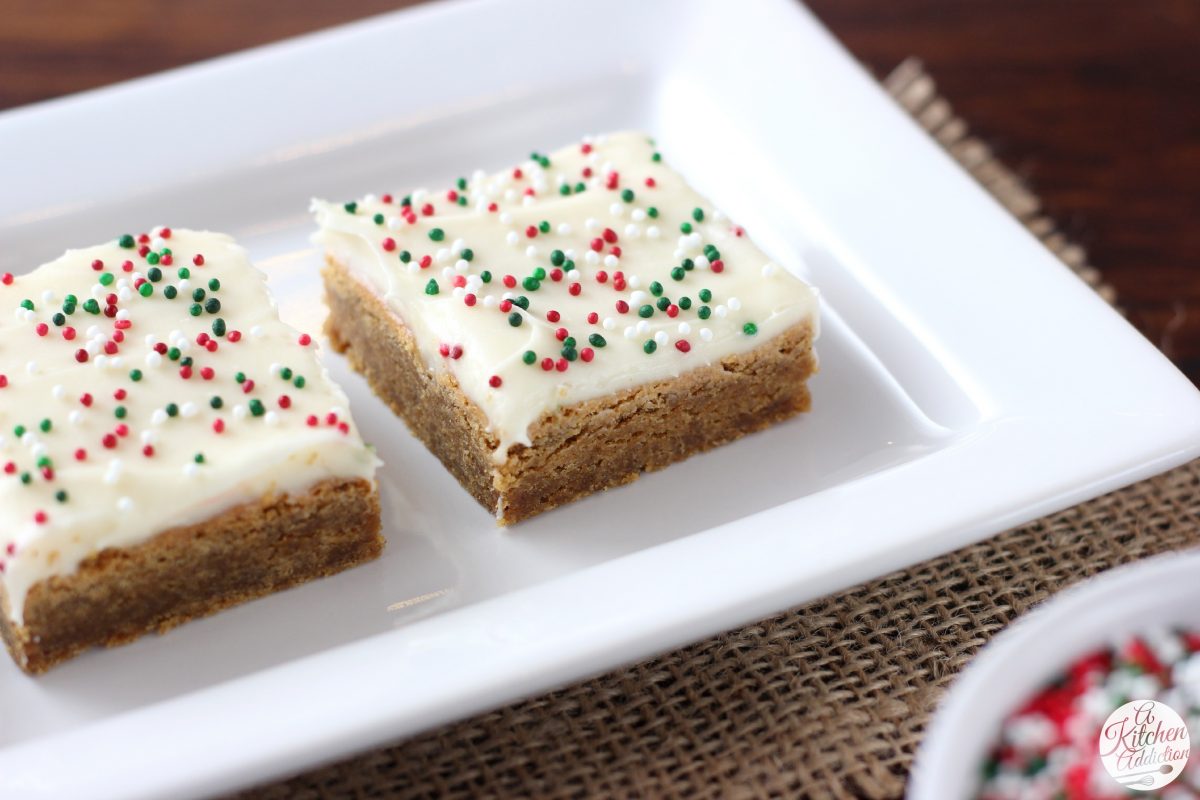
827	700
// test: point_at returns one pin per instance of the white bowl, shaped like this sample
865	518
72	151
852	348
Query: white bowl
1161	591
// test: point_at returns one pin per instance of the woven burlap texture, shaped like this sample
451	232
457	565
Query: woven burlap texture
826	700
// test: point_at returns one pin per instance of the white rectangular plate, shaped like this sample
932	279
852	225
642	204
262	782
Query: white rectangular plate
969	381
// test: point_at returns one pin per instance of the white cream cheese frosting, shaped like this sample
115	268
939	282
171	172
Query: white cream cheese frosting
148	383
571	276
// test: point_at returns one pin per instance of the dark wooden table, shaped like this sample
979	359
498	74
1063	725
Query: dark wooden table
1095	102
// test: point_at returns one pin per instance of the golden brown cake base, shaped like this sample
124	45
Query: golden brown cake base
578	449
249	551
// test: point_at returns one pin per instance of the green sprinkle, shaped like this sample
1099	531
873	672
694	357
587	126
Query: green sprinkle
135	375
596	340
405	256
544	226
522	301
467	254
431	287
59	319
218	327
213	305
187	361
557	257
126	241
570	353
19	431
152	258
705	295
663	303
565	189
174	353
711	253
198	295
649	347
688	264
106	279
461	183
698	214
256	407
531	284
569	265
195	310
437	234
146	289
216	401
172	410
351	207
239	377
154	274
652	212
686	227
569	341
656	288
529	357
286	373
199	458
462	199
44	462
485	276
299	382
119	412
515	319
749	329
91	306
45	425
656	157
580	187
60	496
540	274
184	273
27	304
214	285
646	311
627	195
678	273
684	302
378	219
704	312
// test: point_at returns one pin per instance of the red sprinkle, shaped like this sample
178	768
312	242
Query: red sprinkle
495	381
234	336
109	441
552	316
547	364
97	265
651	182
601	277
597	244
556	274
40	518
3	381
6	279
561	365
389	244
622	307
42	329
81	355
427	210
575	289
561	334
610	235
165	233
120	394
425	261
587	354
86	399
305	340
593	318
531	231
510	281
312	421
682	346
285	401
218	425
81	454
469	299
717	266
198	260
505	306
148	451
248	386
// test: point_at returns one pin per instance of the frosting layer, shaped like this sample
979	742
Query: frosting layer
571	276
148	383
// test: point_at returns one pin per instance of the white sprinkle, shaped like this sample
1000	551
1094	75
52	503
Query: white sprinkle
609	323
721	311
564	228
113	473
701	262
638	297
188	410
271	419
719	215
591	224
528	200
191	469
616	209
148	436
184	284
531	251
442	255
239	411
257	332
458	246
633	231
512	238
447	272
611	261
31	367
75	417
591	257
652	232
633	281
505	217
490	301
462	265
662	338
153	359
458	292
637	215
58	392
274	368
150	339
124	293
706	334
569	253
574	275
769	270
48	296
158	417
394	223
643	326
734	304
125	504
684	329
